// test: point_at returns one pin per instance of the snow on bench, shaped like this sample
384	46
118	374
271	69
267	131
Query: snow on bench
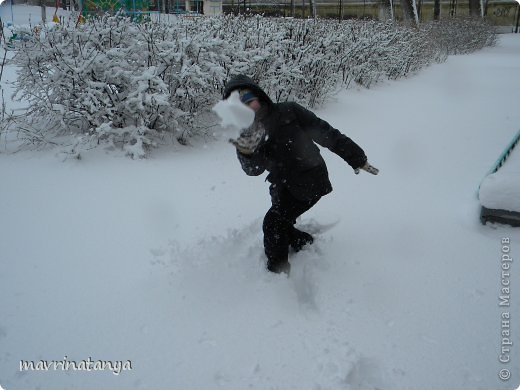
499	192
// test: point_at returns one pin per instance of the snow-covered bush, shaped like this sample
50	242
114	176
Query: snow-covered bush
130	84
460	35
102	80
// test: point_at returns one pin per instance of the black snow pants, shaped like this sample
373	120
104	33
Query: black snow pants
279	221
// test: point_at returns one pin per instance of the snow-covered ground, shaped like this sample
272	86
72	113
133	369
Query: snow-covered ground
159	261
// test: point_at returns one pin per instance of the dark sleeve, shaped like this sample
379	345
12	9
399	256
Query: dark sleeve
327	136
251	164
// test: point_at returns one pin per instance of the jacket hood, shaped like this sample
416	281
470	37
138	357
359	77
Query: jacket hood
243	82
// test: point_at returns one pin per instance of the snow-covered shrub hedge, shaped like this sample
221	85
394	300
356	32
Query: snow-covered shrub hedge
460	35
130	84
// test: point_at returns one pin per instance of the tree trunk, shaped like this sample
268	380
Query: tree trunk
385	10
44	12
312	4
517	18
453	8
436	9
484	11
474	8
419	10
407	7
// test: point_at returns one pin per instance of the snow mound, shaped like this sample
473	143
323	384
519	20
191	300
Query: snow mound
501	190
233	113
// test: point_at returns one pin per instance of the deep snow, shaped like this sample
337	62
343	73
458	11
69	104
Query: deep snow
160	261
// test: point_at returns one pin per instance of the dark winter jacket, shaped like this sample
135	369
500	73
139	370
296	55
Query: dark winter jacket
288	151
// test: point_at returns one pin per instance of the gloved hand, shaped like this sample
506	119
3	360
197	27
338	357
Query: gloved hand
249	139
369	168
242	146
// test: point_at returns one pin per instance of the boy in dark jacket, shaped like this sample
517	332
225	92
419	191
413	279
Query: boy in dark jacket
282	140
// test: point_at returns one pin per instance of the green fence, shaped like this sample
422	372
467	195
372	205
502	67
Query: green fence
137	9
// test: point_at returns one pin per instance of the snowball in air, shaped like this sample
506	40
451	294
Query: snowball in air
234	113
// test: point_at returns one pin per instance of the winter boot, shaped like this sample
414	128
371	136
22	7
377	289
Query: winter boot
299	239
279	265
